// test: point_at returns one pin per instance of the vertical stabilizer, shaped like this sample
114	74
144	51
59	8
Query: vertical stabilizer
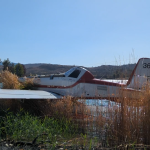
140	75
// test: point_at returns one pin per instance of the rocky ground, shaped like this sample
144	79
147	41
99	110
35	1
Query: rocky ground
7	145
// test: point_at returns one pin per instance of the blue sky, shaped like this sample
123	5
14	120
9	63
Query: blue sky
74	32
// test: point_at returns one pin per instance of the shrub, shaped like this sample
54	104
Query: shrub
9	80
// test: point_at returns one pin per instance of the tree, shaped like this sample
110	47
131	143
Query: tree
24	68
11	68
6	64
19	70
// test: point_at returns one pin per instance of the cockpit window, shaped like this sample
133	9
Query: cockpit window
69	71
75	73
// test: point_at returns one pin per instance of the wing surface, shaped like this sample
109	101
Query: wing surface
27	94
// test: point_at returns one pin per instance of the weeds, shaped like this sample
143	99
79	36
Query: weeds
26	127
9	80
126	124
28	84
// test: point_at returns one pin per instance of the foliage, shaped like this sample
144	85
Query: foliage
6	64
12	68
26	127
9	80
19	70
125	124
54	130
28	84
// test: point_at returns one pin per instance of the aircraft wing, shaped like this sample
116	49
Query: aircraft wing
27	94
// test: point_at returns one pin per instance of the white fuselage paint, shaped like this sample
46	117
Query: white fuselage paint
86	90
72	86
79	82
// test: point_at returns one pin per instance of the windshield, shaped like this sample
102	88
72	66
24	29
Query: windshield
75	73
69	71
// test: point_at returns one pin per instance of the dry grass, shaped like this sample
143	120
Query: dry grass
128	123
66	107
28	84
9	80
131	122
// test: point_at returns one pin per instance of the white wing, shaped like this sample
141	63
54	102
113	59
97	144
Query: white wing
27	94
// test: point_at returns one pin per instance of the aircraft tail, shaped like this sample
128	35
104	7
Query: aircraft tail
140	75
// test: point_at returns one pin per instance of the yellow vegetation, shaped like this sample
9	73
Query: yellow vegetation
9	80
28	84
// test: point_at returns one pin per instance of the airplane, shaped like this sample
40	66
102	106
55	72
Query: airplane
79	82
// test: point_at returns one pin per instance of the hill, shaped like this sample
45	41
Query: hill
104	71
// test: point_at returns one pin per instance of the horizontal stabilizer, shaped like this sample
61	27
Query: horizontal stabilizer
27	94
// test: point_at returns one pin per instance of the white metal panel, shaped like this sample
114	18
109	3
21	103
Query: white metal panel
27	94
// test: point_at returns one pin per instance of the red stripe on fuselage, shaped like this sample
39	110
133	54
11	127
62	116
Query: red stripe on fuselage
86	78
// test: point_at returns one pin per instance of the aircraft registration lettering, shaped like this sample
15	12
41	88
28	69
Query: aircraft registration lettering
146	65
104	88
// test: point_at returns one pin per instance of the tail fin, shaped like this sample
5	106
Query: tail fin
140	75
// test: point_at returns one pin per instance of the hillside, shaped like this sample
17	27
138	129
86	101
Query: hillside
104	71
45	69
